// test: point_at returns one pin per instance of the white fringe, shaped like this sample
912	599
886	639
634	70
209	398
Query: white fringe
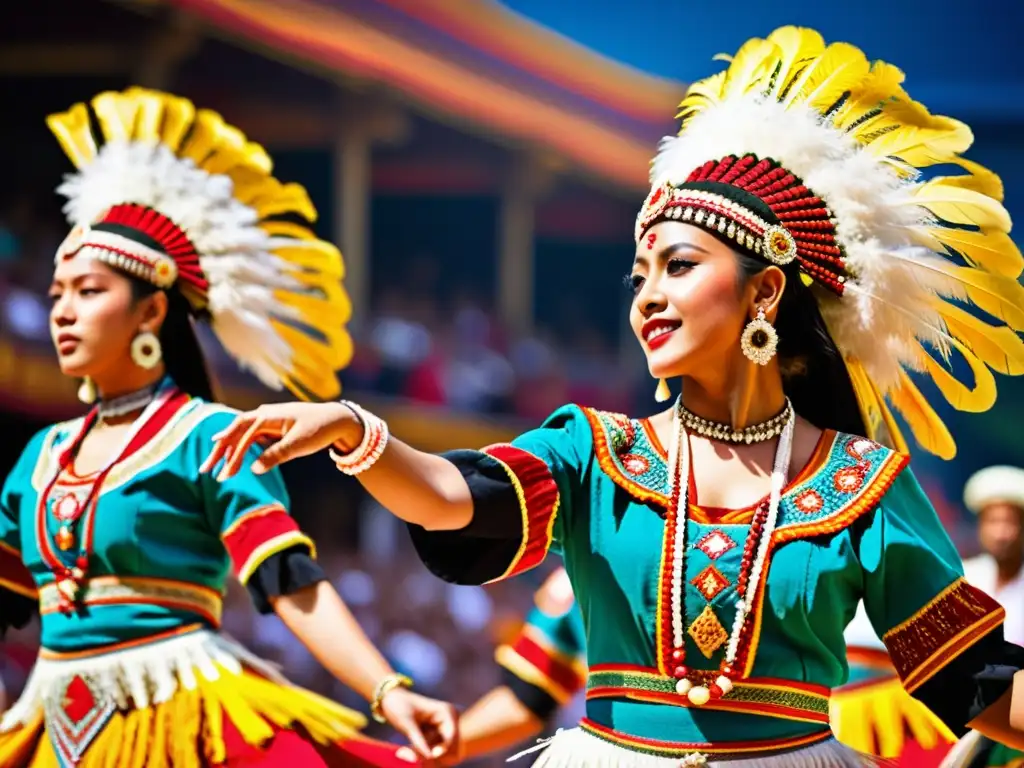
576	748
140	677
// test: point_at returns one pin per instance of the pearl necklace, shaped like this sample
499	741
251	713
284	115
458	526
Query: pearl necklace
755	433
127	403
679	476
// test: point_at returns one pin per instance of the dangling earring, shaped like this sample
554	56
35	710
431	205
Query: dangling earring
146	352
87	391
759	340
662	393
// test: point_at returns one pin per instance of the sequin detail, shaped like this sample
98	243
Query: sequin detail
715	544
710	582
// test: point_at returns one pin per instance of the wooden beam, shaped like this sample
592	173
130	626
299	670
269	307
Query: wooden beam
177	38
65	59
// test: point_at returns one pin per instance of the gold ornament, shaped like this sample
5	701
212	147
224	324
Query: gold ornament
662	393
759	340
87	391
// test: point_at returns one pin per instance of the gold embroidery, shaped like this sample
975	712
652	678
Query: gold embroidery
707	632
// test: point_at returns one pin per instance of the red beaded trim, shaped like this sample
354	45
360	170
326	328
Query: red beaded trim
926	642
802	214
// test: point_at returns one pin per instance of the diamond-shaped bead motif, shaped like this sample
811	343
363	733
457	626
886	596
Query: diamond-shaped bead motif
707	632
78	700
710	582
715	544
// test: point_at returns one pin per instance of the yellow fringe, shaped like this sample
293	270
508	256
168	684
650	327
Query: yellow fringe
188	730
877	717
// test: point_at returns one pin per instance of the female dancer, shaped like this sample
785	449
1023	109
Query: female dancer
107	525
790	268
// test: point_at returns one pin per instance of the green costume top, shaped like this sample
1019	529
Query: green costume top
164	536
854	524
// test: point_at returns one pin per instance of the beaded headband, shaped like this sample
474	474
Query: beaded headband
759	205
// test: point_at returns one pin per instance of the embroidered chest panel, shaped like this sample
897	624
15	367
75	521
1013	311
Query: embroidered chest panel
850	475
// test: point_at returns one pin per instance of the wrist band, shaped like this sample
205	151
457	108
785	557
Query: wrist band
385	685
370	448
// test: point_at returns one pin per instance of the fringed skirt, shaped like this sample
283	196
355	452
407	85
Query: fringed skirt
581	747
192	699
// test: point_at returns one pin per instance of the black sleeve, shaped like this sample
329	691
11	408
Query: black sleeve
283	573
15	610
484	549
973	681
533	698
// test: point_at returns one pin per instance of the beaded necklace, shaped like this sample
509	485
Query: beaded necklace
68	509
754	556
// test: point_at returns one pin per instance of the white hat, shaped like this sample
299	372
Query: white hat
994	485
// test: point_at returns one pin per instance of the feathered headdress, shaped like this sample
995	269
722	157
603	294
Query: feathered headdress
807	152
177	197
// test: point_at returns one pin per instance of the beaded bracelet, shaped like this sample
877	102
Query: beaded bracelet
385	685
370	448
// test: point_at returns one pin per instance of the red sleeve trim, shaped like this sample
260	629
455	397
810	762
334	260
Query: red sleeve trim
534	660
14	575
538	497
926	642
260	533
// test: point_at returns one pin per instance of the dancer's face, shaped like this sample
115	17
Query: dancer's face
94	317
690	303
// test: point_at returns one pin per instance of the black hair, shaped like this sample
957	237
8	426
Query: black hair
815	377
183	357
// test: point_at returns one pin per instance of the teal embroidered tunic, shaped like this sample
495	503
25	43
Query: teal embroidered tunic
853	525
165	537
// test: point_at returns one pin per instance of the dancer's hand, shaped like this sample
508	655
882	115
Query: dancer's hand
430	725
291	430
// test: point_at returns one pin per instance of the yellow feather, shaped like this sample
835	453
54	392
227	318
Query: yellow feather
976	400
294	231
207	133
700	95
1000	296
149	115
179	114
288	198
316	256
751	68
926	426
1001	349
824	82
880	86
958	205
115	112
919	138
891	427
878	421
978	178
797	47
74	135
990	250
